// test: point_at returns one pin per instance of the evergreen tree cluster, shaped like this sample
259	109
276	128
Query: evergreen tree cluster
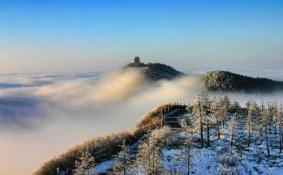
228	81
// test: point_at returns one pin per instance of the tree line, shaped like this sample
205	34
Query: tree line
205	116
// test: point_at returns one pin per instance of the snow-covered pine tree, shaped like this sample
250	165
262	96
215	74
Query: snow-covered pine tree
215	110
270	116
85	162
186	149
280	120
201	109
149	157
236	108
224	108
187	153
249	120
265	122
123	164
274	113
209	121
231	128
257	121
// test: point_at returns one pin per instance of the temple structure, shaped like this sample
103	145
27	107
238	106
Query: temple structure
137	63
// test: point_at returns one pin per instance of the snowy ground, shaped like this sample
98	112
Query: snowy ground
213	160
209	161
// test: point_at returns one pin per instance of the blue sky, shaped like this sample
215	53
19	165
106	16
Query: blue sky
80	35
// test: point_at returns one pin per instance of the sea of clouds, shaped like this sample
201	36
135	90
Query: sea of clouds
41	115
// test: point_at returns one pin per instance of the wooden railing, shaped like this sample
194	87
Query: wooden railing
162	120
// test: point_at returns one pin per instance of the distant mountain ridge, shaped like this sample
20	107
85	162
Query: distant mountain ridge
228	81
214	80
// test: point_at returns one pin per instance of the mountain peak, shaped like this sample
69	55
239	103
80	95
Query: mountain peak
155	71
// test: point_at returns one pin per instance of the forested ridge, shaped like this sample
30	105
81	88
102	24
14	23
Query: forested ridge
228	81
235	139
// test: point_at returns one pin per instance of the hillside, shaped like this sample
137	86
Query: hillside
104	148
204	137
155	71
228	81
214	80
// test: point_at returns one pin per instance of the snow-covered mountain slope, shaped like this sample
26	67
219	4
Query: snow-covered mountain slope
213	137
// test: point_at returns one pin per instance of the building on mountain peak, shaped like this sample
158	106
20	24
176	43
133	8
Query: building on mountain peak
137	62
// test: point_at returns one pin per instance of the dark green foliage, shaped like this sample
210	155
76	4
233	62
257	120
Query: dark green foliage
227	81
157	71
